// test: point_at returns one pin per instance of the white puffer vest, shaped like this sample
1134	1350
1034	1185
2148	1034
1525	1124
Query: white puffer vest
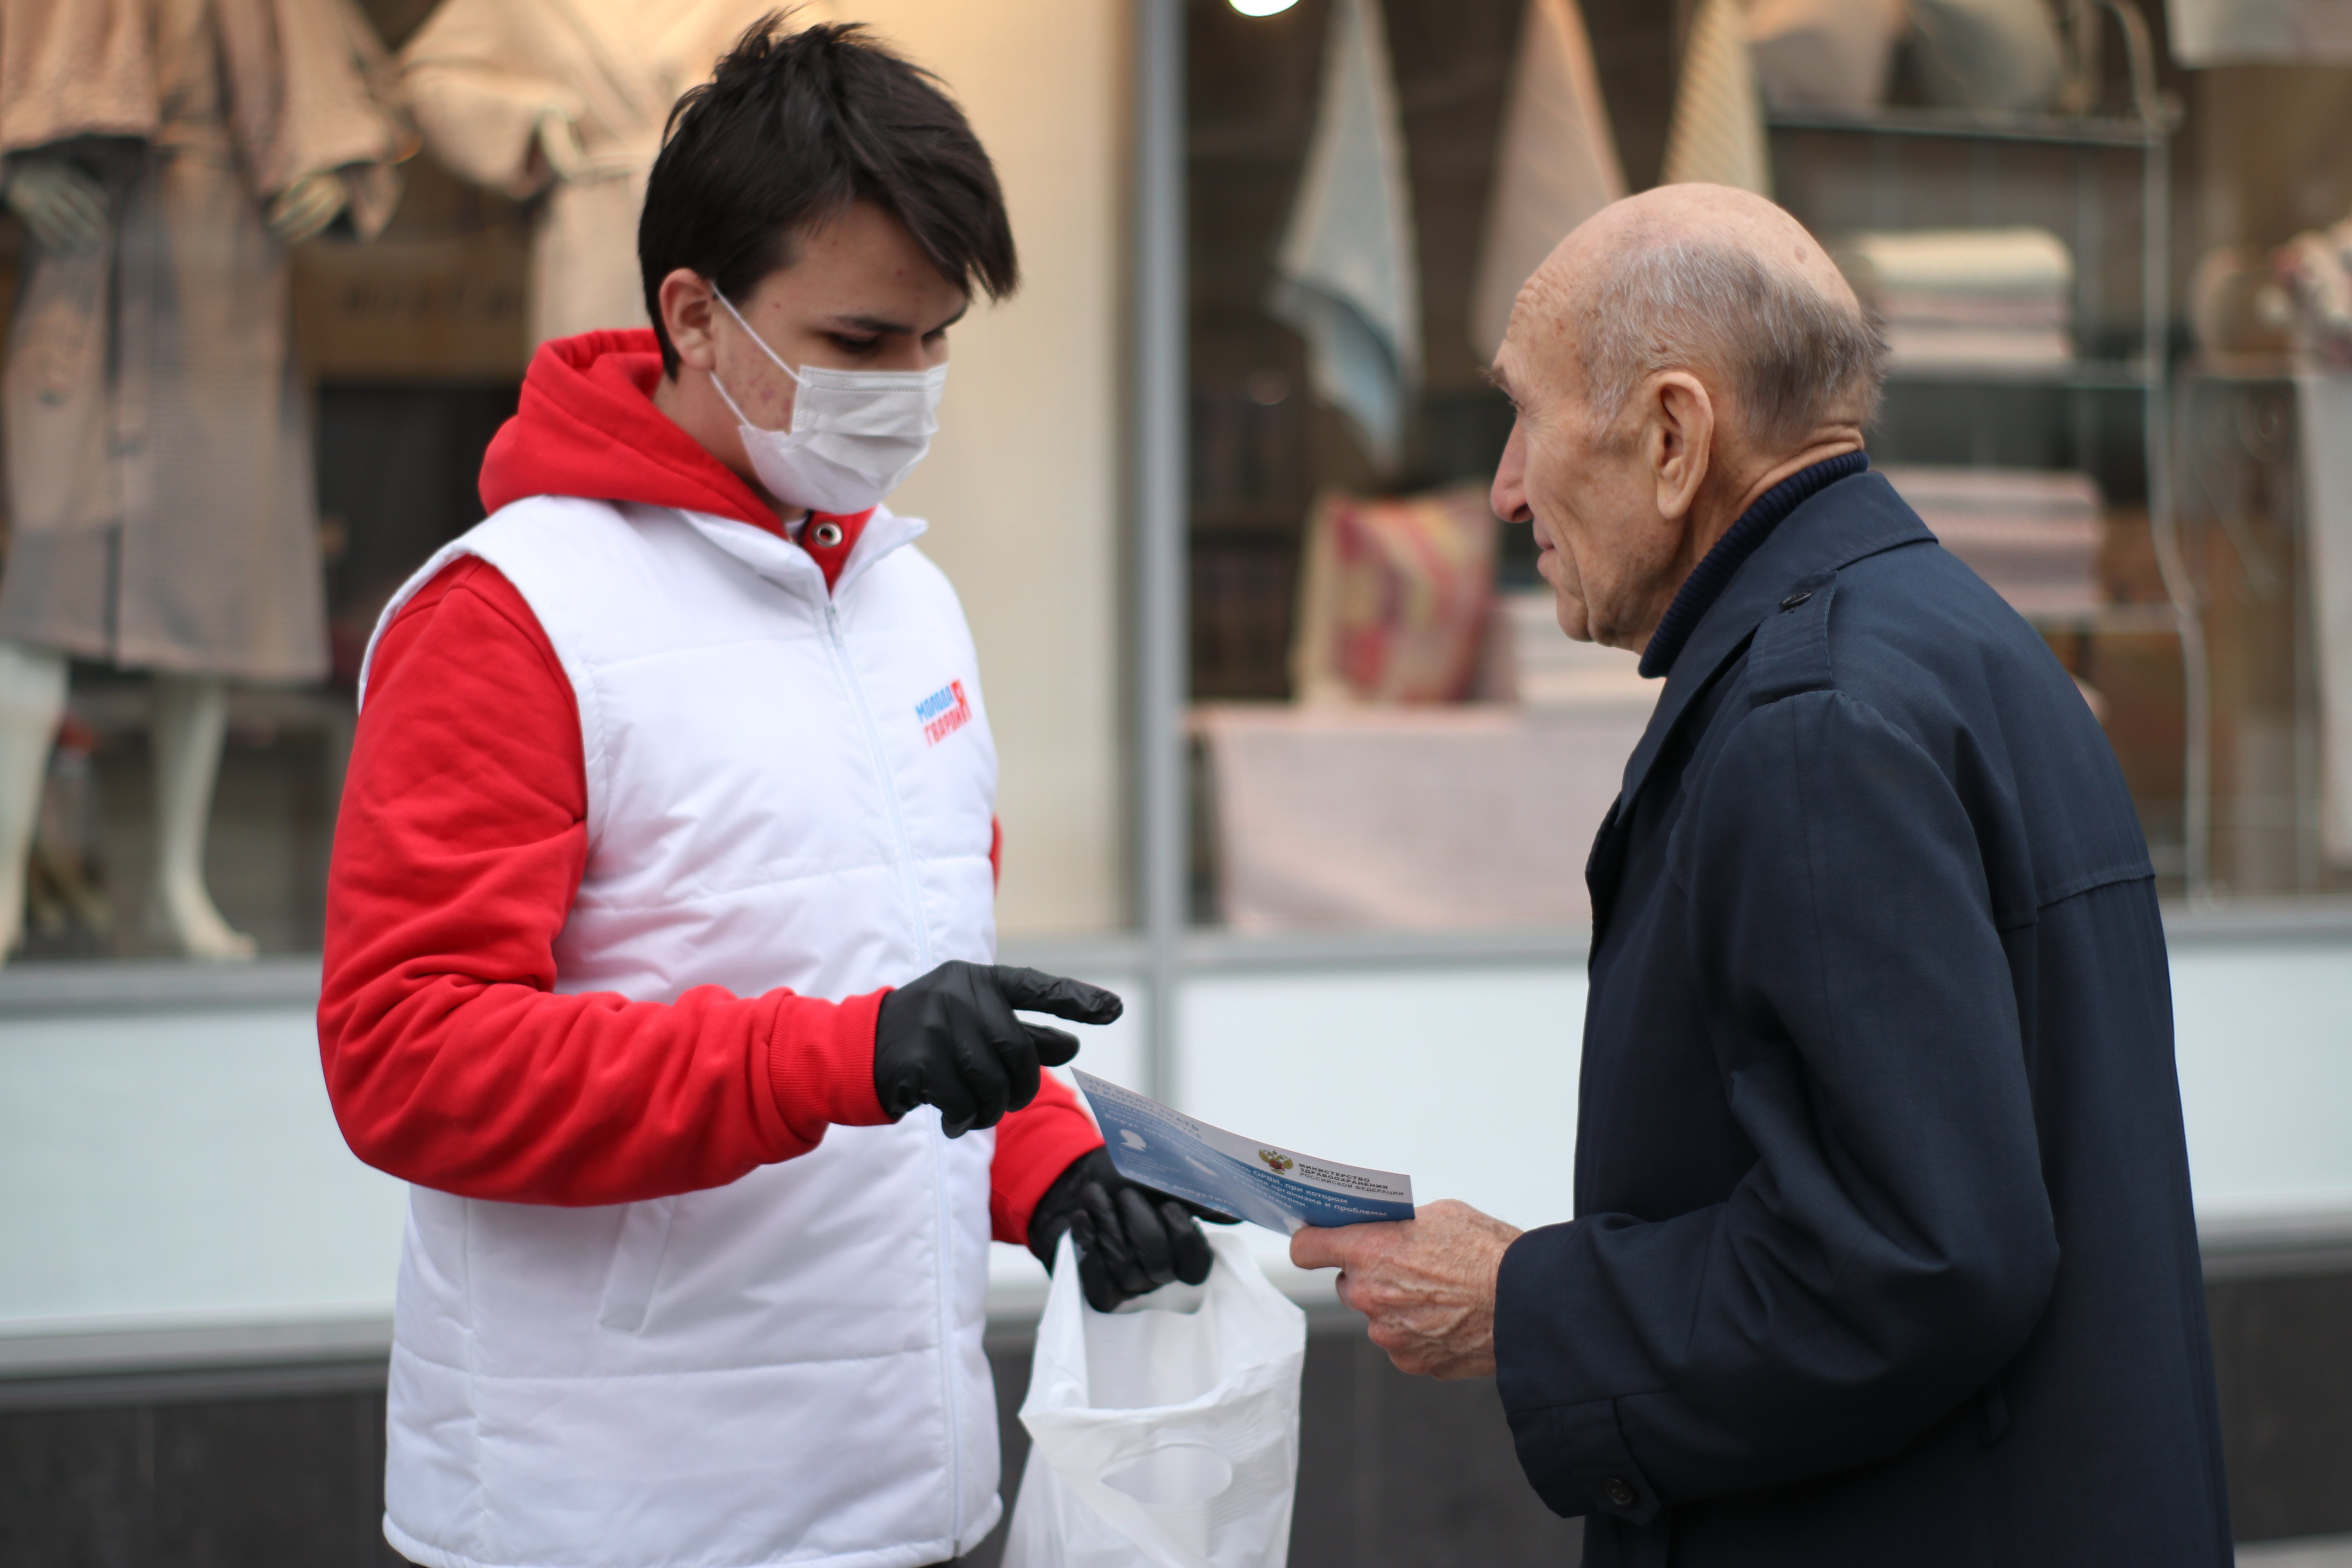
784	788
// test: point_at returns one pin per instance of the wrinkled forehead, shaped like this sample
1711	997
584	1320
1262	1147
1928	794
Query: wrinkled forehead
1541	360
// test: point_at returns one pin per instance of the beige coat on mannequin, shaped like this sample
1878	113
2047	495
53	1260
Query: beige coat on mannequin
521	95
163	154
158	451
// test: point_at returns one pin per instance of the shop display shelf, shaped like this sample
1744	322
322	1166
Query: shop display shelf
1976	125
2107	227
2076	375
2110	620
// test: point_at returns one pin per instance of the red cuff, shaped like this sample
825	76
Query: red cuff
821	1063
1034	1146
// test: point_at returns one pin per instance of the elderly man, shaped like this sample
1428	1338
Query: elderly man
1885	1252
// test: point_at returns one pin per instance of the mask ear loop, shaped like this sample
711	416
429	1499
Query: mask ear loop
732	406
774	356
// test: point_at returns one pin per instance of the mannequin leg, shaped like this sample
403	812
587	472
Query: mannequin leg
32	701
191	721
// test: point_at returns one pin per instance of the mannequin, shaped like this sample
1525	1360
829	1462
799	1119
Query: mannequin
190	724
163	156
569	97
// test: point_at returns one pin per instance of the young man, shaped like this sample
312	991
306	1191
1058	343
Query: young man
666	773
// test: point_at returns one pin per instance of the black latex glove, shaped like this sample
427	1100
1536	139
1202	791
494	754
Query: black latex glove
1129	1238
950	1039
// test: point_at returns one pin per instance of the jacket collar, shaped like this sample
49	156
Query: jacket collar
786	565
1843	523
1706	583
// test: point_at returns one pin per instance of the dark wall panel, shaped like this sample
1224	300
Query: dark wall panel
215	1483
1394	1472
2283	1361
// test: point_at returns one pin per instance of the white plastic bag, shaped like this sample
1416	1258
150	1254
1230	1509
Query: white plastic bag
1165	1433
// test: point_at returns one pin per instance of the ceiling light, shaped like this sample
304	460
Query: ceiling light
1262	7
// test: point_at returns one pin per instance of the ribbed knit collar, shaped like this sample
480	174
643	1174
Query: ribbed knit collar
1713	573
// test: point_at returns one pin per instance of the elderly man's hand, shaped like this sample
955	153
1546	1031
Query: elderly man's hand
1426	1283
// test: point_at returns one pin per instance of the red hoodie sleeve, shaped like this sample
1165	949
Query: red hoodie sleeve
1033	1145
449	1057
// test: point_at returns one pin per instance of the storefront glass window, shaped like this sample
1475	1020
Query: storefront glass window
1386	730
273	428
2075	247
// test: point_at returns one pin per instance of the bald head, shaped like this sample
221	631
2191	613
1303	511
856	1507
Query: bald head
1709	279
1734	219
1679	354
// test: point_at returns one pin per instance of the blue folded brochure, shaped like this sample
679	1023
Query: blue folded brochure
1278	1188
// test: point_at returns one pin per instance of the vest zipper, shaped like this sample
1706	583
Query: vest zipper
900	850
944	1218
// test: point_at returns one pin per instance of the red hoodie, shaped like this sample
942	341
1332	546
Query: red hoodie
451	1060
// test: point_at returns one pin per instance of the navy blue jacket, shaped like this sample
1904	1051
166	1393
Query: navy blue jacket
1885	1252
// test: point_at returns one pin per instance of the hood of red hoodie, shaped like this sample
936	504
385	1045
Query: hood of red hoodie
587	426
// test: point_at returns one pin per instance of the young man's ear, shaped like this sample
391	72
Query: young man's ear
686	307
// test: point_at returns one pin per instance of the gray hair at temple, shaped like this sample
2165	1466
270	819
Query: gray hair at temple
1795	355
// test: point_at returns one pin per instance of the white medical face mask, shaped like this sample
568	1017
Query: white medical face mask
855	435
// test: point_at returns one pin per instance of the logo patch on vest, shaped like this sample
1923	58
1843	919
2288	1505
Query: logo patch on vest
944	712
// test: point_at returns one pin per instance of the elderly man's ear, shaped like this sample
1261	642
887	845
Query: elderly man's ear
1677	439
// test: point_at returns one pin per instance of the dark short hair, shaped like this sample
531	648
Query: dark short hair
795	125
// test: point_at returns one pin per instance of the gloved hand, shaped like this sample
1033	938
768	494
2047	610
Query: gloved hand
1128	1238
64	208
950	1039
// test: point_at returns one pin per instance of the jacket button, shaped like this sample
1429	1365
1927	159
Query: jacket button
1794	600
827	534
1617	1491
